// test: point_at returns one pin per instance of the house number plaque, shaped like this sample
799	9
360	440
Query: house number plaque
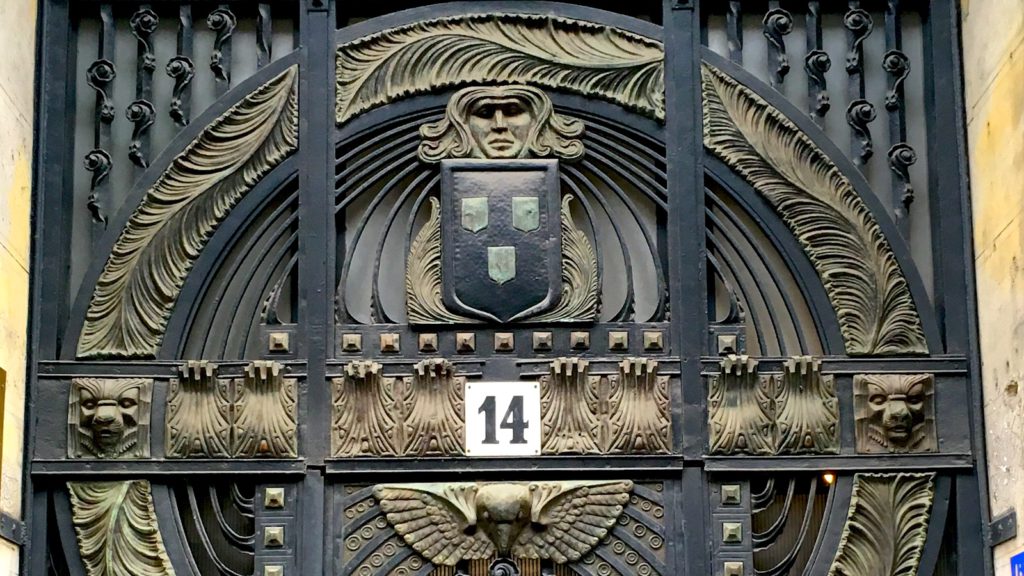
503	419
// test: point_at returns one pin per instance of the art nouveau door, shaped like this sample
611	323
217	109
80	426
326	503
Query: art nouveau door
509	288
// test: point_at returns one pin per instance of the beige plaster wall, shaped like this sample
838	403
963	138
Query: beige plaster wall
17	44
993	40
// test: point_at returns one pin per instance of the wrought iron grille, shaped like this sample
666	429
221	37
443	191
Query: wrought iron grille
726	253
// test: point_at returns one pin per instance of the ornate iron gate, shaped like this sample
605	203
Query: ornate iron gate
502	288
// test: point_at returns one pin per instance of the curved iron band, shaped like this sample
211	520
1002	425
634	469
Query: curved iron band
275	241
747	240
736	271
830	533
754	267
157	168
755	205
741	240
66	530
200	280
936	526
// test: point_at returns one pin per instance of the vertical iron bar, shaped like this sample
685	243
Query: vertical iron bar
734	31
182	69
100	77
777	22
952	256
687	261
223	22
816	64
901	155
315	270
264	35
316	225
56	85
141	112
860	113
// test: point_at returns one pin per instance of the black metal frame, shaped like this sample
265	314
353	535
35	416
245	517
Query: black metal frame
951	330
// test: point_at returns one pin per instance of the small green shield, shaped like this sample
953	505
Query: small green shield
501	263
474	214
525	213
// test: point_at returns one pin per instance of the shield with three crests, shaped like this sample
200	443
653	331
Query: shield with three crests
501	238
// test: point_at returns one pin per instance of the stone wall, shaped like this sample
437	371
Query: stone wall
17	44
993	40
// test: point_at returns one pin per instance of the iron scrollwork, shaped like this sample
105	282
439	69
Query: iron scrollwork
778	23
901	157
181	69
223	22
141	114
859	115
817	63
139	284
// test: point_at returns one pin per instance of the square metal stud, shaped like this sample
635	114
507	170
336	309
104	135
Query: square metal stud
273	498
428	343
274	570
731	494
727	344
579	340
618	341
390	343
273	536
732	569
542	341
504	342
465	342
654	340
278	342
351	342
732	532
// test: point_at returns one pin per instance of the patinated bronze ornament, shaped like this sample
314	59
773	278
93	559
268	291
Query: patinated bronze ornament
117	531
795	412
109	417
887	525
895	412
557	521
501	216
501	123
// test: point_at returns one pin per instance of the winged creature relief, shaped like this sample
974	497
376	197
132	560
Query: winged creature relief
455	522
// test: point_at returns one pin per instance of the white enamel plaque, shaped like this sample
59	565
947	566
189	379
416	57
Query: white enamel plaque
502	419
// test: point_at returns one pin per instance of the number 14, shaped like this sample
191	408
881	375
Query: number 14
513	420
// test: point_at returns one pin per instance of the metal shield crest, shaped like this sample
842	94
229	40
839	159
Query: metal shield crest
501	238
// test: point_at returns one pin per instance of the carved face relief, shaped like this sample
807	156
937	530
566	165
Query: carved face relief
109	417
501	122
500	127
895	413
